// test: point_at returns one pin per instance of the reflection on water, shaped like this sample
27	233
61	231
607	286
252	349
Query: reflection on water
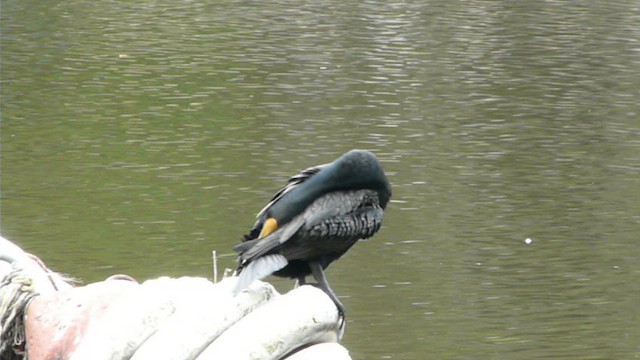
138	137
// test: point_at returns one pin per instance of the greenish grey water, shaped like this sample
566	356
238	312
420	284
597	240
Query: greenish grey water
139	136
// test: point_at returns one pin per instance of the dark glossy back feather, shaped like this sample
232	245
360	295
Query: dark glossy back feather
293	181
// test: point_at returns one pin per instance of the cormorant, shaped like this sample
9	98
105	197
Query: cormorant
315	219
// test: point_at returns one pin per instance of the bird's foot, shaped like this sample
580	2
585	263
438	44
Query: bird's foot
342	318
342	322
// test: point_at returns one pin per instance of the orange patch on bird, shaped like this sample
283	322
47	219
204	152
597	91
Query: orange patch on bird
269	226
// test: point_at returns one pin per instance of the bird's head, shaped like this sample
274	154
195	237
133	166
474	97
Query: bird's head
355	170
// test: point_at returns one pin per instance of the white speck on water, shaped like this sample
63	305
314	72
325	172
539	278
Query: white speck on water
528	241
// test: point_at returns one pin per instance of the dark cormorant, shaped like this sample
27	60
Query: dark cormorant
315	219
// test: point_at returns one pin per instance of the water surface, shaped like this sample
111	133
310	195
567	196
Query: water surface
137	137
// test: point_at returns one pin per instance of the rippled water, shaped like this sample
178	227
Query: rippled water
137	137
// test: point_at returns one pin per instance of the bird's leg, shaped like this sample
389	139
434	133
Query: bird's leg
301	281
318	274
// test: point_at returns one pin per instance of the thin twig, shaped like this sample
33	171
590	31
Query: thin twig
215	267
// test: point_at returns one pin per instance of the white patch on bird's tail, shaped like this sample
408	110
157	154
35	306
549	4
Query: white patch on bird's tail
258	269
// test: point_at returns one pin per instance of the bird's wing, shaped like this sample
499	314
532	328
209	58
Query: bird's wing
252	249
258	257
332	223
336	234
294	181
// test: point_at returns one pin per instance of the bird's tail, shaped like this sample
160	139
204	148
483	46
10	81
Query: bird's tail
258	269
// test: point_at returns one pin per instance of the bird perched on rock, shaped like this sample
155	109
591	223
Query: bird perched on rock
315	219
